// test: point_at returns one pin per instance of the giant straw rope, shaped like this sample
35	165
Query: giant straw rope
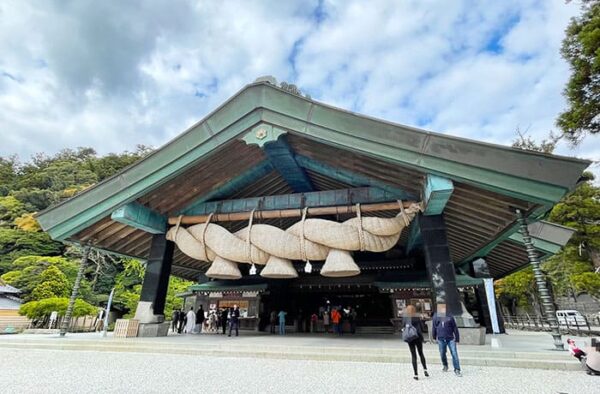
308	239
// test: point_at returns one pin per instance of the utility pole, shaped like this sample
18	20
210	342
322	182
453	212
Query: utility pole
66	322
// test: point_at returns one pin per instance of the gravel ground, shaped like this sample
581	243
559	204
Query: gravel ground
61	371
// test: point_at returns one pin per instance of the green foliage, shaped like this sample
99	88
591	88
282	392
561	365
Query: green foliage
44	269
520	285
27	222
588	282
176	286
10	209
43	308
128	285
53	283
581	48
581	211
40	276
561	268
15	243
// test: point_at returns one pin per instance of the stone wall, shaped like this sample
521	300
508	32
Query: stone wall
583	303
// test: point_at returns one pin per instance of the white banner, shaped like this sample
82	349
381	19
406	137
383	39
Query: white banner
491	301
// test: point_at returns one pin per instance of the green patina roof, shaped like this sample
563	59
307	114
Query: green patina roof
530	176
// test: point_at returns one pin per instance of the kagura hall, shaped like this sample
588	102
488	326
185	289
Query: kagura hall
276	201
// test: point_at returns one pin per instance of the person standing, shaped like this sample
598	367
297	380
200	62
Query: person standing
281	315
234	320
224	316
199	319
352	320
190	321
273	321
335	320
313	322
326	321
444	329
175	320
414	339
182	321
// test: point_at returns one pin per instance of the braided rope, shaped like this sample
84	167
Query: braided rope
361	234
403	213
248	240
204	233
178	224
302	238
307	239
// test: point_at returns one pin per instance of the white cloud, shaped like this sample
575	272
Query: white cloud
111	75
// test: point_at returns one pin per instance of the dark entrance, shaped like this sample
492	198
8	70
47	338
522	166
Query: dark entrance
373	309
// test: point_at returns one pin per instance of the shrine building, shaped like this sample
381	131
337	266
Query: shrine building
276	201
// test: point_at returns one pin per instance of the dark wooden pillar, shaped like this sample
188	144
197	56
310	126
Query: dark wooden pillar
156	281
440	268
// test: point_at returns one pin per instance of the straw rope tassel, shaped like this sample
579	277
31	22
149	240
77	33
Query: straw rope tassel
306	240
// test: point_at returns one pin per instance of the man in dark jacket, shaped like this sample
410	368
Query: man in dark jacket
234	320
175	319
224	314
444	329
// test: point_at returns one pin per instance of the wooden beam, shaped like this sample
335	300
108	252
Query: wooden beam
281	156
138	216
230	187
414	238
290	213
362	195
436	193
351	178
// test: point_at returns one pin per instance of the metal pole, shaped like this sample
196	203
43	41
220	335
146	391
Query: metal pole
64	326
540	280
110	297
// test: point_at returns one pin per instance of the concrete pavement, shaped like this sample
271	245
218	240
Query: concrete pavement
68	371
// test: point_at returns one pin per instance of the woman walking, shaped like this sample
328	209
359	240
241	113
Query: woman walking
412	334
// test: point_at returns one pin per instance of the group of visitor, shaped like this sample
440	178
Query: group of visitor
195	323
339	318
278	319
444	331
336	320
590	360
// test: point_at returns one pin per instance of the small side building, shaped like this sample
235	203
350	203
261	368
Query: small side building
10	320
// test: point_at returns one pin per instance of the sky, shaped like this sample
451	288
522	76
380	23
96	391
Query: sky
113	74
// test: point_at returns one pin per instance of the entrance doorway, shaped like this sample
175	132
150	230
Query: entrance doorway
372	308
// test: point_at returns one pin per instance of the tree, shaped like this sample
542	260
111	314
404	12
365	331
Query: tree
561	268
27	222
10	209
53	283
520	286
16	243
525	142
588	282
43	308
581	211
581	49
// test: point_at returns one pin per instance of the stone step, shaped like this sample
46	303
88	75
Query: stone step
400	355
392	350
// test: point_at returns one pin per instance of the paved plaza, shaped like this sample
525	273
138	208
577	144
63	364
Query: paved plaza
56	371
251	363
